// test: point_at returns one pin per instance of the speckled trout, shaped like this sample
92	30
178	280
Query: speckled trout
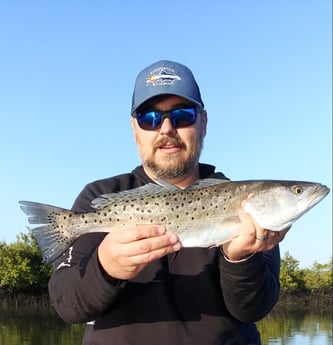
203	215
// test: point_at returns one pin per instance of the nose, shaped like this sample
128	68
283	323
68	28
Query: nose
167	127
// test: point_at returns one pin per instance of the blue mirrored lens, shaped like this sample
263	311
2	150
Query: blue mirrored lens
183	117
150	120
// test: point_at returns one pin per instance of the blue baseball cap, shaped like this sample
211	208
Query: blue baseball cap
162	78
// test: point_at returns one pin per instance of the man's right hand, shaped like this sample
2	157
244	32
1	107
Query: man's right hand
126	251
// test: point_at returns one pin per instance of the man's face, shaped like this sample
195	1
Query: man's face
170	152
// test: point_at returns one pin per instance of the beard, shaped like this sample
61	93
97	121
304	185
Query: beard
177	164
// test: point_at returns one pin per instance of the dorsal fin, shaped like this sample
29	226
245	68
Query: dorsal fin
106	199
148	190
208	182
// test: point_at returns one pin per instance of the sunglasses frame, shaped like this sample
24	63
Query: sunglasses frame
169	114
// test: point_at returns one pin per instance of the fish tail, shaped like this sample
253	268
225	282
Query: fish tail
52	239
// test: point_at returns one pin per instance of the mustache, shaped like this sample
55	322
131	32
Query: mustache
169	140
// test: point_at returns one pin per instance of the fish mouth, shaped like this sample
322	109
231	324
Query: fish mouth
317	193
320	192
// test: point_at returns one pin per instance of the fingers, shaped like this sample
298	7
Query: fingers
252	239
149	252
131	234
146	247
124	252
143	240
263	239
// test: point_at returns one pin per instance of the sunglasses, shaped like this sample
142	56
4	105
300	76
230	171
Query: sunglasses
153	119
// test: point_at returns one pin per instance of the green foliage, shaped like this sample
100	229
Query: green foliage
22	268
317	278
291	277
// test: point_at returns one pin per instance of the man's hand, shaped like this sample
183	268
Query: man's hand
252	239
125	251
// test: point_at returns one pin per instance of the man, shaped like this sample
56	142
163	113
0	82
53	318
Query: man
136	285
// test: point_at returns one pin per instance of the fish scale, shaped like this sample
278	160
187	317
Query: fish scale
166	208
202	215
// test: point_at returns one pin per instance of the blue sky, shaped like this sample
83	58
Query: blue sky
67	70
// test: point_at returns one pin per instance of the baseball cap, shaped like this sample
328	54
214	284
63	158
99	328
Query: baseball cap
165	77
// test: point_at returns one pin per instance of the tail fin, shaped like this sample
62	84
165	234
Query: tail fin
52	238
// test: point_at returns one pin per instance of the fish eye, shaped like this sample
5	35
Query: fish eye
297	190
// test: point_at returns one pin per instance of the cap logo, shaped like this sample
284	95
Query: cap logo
162	76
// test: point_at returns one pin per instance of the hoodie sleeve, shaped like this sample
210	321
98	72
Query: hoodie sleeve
79	291
251	287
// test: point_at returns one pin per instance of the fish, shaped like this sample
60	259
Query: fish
205	214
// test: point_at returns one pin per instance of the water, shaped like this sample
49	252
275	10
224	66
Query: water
41	326
36	326
296	327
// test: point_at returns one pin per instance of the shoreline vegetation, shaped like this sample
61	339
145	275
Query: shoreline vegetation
318	300
24	278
